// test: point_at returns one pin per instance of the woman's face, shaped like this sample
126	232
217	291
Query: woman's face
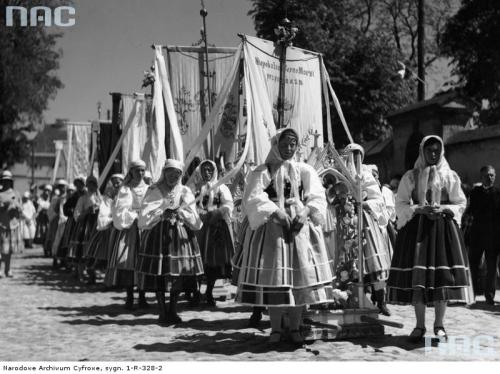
207	171
172	176
116	182
137	174
432	153
287	146
91	187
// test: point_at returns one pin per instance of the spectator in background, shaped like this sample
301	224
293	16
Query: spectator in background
484	231
28	220
474	122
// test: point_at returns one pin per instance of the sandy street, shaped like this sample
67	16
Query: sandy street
46	315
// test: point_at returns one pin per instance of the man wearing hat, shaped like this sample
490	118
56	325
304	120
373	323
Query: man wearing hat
10	211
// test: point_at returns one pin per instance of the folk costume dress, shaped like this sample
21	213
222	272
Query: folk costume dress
85	216
169	249
42	221
121	267
57	223
28	221
216	238
282	267
70	227
100	243
430	261
377	250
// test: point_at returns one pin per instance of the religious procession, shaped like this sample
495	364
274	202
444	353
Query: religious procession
236	172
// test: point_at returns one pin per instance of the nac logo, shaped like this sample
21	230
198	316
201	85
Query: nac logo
62	16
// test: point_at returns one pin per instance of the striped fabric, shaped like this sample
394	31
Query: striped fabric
63	246
97	249
376	251
274	272
217	249
168	250
430	263
122	261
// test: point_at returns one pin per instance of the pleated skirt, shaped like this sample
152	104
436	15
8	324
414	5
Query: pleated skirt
50	236
42	226
97	250
430	263
169	252
217	248
237	259
64	242
377	250
11	241
121	265
279	270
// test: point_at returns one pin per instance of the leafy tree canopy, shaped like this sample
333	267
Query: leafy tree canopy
28	62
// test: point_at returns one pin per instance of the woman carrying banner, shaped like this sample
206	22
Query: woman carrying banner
169	250
430	265
285	264
215	208
121	267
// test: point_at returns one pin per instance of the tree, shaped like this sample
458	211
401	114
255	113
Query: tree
28	63
361	64
471	39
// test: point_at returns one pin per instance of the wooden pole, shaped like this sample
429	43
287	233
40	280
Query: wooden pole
281	92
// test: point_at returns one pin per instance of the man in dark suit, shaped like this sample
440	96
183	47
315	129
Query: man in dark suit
485	231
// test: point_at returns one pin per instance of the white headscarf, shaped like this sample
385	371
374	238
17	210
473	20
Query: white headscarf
429	176
174	192
206	188
284	168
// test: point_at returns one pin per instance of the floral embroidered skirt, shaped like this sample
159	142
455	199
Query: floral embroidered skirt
285	269
121	265
169	251
217	249
430	263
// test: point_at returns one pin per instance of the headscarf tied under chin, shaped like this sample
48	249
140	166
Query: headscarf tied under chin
283	168
429	176
206	188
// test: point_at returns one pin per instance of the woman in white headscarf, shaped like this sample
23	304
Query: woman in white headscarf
285	264
169	250
430	265
125	211
216	237
28	220
98	248
377	248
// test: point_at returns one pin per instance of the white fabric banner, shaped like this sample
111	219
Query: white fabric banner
302	104
134	111
78	154
190	96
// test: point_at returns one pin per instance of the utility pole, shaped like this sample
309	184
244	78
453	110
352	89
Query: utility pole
421	51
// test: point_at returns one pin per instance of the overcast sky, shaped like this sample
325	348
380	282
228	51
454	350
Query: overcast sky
110	46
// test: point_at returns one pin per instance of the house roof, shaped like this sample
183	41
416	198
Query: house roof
468	136
445	100
44	141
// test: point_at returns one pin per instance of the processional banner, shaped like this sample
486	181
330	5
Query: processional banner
78	150
188	78
302	101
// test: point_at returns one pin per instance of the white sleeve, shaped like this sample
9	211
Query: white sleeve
314	192
151	209
389	203
256	203
190	212
226	200
104	217
405	209
80	207
123	214
458	201
374	198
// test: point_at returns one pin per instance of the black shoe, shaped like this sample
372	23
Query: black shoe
440	333
382	309
173	319
417	335
255	319
195	299
490	300
143	304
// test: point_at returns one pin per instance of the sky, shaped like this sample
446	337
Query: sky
109	47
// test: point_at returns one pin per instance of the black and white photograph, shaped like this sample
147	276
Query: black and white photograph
249	181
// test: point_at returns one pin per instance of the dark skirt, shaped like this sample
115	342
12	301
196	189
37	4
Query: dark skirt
168	252
50	236
81	235
429	264
121	265
69	228
97	248
217	249
42	226
237	259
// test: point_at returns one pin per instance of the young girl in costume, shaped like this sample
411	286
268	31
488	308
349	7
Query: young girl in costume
169	256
